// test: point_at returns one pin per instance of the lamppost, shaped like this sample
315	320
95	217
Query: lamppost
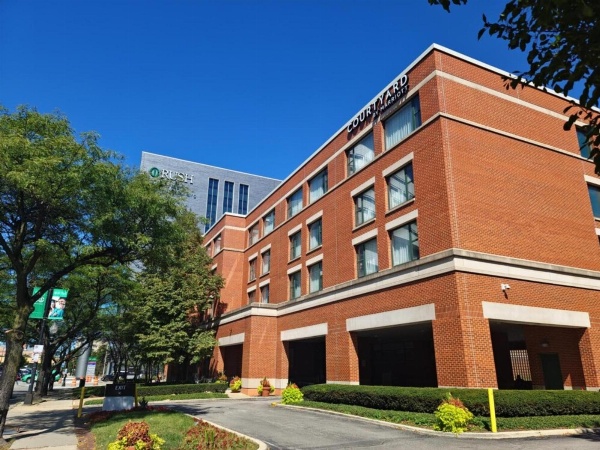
29	396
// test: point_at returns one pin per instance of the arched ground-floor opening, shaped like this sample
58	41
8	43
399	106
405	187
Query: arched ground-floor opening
397	356
537	357
307	361
232	360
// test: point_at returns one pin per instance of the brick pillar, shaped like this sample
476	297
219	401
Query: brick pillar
261	345
341	357
283	365
589	348
463	352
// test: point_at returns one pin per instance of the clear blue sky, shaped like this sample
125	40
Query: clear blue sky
255	86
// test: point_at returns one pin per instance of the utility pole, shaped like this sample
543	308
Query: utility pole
29	396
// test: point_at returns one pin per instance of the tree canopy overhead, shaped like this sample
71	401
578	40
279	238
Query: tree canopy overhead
562	38
65	203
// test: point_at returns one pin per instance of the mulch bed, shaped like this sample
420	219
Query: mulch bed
85	438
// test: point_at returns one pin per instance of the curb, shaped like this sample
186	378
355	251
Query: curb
466	435
261	444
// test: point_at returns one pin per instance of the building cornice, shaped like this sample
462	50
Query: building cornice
442	263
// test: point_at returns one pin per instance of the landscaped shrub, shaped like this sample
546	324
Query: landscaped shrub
235	384
265	384
205	436
508	403
136	435
291	394
452	416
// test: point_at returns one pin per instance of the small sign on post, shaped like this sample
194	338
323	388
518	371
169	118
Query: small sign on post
118	396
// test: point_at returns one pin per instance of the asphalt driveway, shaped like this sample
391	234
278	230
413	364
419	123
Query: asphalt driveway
296	428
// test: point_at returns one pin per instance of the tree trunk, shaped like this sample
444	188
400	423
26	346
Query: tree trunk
15	339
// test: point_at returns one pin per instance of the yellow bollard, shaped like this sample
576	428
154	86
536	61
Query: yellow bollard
492	410
81	401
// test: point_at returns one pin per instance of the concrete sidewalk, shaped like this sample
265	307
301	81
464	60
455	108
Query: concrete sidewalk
47	424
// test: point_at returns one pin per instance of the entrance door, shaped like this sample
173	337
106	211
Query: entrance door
551	368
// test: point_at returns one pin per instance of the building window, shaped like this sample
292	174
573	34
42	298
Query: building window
366	258
318	186
315	234
264	294
405	244
594	192
268	223
252	296
295	245
253	234
295	286
584	146
294	202
243	199
401	186
252	270
228	197
402	123
217	247
211	203
266	262
361	154
364	204
315	273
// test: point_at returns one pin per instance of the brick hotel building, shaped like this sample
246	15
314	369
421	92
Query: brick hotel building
446	235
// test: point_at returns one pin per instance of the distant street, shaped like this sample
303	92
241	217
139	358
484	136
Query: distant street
284	428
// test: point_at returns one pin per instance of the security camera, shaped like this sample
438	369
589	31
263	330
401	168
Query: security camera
504	286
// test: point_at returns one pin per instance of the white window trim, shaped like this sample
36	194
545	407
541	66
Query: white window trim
364	237
295	229
363	187
252	256
232	340
294	269
250	289
598	231
252	225
264	283
265	248
314	217
304	332
592	180
398	165
536	315
315	259
399	221
415	314
214	266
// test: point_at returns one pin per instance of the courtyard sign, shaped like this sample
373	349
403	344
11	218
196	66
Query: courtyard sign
392	95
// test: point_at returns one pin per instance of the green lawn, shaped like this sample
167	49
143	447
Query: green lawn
170	426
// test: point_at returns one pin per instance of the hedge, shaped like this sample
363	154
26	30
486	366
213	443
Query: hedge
160	389
509	403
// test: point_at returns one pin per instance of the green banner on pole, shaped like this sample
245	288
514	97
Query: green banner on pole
57	305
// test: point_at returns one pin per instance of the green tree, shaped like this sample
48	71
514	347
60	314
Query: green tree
91	290
170	300
562	38
67	203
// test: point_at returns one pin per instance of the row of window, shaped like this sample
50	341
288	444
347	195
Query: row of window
265	265
404	242
211	201
396	128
